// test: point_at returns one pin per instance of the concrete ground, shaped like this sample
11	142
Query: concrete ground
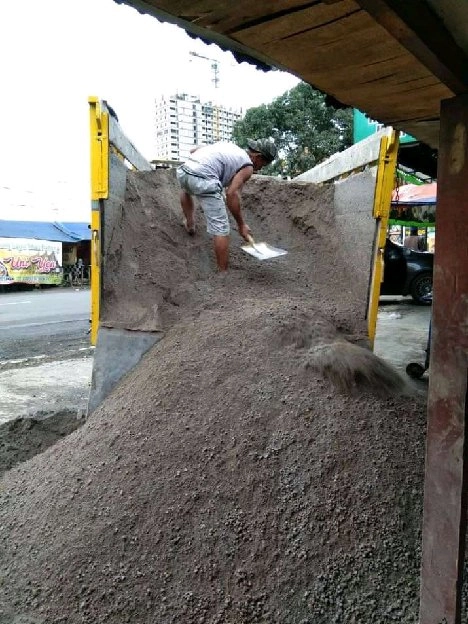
50	387
45	355
401	336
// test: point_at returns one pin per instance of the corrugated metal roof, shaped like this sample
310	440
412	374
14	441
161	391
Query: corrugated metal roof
69	232
393	60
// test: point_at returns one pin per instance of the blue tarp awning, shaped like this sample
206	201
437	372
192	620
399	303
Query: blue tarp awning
66	232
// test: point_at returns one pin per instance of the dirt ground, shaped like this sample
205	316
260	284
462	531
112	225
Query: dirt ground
260	465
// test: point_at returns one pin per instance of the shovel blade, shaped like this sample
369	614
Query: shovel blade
263	251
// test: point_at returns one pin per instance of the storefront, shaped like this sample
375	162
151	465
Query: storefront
414	206
42	253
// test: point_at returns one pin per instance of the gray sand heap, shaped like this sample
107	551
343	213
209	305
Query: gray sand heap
259	466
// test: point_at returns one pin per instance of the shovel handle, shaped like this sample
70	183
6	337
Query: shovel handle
250	240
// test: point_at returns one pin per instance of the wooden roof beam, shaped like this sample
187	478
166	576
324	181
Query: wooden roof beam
423	34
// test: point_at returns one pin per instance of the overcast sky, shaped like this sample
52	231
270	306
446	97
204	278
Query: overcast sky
55	54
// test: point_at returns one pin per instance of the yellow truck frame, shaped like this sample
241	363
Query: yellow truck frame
386	172
106	141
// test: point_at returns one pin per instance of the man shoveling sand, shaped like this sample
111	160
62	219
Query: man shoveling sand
211	169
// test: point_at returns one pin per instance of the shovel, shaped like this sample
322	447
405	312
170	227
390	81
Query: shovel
262	251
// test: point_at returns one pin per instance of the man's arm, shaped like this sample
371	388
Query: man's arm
233	200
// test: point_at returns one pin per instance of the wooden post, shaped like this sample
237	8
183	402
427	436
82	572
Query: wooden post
444	525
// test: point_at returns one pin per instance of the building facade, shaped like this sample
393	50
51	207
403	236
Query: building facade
183	121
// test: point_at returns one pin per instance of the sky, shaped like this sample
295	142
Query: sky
57	53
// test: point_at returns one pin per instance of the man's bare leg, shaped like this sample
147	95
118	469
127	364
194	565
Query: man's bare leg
186	201
221	247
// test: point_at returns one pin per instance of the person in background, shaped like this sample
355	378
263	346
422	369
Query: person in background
77	273
414	241
206	173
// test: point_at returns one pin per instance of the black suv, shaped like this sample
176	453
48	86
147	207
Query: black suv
407	272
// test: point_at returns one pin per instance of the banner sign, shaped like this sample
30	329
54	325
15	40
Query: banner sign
412	215
30	261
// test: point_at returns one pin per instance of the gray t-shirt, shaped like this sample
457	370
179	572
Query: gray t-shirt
219	160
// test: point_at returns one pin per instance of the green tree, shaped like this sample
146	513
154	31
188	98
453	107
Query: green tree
305	130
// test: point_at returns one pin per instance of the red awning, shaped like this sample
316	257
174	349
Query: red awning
416	194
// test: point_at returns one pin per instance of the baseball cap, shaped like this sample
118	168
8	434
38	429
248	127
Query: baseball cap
265	147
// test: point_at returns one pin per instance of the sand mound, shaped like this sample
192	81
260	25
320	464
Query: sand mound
22	438
234	477
155	274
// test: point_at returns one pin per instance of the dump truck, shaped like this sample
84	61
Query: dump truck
361	202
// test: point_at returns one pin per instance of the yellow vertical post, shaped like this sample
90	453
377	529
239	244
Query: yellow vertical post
382	200
99	144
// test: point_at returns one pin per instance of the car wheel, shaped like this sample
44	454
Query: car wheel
421	289
415	370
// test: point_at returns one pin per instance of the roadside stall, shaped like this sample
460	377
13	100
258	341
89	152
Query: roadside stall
43	253
413	205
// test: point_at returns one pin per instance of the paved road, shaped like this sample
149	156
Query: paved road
46	324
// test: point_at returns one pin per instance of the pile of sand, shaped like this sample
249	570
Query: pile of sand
22	438
257	467
155	274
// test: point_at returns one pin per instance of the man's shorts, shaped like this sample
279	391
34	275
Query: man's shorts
210	193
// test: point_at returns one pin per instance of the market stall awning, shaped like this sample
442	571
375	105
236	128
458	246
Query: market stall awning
414	204
69	232
415	194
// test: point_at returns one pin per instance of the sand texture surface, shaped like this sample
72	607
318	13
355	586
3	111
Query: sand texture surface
259	466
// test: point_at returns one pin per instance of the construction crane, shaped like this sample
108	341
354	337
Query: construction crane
215	81
214	67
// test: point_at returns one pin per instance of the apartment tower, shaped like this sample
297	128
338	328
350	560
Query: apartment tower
183	121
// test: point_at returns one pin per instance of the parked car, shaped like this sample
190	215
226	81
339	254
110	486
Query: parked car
407	272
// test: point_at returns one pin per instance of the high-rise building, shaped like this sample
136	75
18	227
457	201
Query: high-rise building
183	121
